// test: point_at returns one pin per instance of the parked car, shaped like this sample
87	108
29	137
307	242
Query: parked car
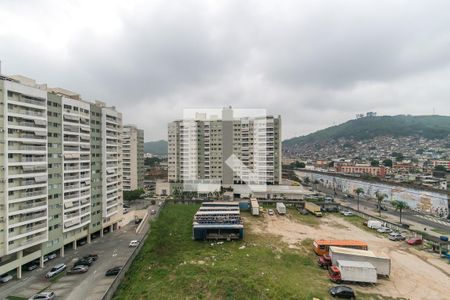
383	207
113	271
349	196
396	236
384	229
78	269
5	277
51	256
153	212
92	256
342	291
30	266
84	261
59	268
134	243
43	296
346	213
81	242
270	211
415	241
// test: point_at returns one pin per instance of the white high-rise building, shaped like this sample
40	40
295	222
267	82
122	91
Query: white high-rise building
61	171
199	148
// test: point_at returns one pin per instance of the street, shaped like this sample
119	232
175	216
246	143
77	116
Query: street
113	250
408	216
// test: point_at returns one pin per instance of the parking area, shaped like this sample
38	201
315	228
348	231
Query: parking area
113	250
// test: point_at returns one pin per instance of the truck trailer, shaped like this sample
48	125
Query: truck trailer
353	271
254	206
281	208
381	264
313	209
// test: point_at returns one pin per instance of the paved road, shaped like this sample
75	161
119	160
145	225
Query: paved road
113	251
408	215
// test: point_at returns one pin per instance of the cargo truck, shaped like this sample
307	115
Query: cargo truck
281	208
313	208
381	264
352	271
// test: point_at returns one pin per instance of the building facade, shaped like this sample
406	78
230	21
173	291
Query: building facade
226	151
56	184
133	158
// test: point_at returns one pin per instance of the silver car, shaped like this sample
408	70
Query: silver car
59	268
43	296
5	277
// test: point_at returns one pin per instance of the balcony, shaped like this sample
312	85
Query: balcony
26	218
17	233
23	195
16	208
38	238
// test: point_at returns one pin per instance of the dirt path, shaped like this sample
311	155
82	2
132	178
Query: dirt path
414	274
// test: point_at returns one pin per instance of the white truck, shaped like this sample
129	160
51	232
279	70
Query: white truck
381	264
254	206
374	224
281	208
353	271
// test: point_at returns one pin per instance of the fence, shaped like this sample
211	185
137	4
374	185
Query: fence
118	279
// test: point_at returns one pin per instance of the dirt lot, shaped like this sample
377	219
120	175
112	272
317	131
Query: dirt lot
414	274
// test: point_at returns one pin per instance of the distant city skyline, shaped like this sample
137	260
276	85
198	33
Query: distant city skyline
303	60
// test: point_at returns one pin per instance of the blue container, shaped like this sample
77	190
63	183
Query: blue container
444	238
244	205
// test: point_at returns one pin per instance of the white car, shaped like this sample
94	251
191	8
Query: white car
59	268
51	256
5	277
134	243
346	213
384	229
43	296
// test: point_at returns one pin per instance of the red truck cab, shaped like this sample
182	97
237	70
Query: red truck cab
334	274
324	261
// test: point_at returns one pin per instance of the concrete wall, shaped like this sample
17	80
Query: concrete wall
426	201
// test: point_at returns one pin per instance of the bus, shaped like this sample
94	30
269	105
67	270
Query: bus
321	247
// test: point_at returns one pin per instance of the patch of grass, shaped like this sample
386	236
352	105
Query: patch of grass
15	298
171	265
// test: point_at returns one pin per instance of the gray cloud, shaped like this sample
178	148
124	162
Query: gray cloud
317	63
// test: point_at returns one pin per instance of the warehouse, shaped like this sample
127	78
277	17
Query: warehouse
218	221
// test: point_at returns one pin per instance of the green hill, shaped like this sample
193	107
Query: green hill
156	147
431	127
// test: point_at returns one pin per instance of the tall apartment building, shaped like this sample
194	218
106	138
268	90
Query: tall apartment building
198	150
133	158
61	171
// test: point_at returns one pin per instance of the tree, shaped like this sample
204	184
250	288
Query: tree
387	162
380	197
298	164
440	168
358	192
132	195
374	163
400	206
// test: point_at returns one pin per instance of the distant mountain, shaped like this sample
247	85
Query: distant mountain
430	127
156	147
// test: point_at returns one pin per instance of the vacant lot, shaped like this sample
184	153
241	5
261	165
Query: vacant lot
414	274
268	264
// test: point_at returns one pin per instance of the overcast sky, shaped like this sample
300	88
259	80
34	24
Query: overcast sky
316	63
